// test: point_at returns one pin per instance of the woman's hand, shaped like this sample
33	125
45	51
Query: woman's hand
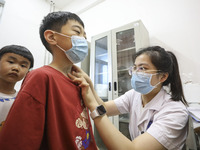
78	72
81	73
86	92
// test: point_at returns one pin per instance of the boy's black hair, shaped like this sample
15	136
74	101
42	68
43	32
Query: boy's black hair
55	21
20	50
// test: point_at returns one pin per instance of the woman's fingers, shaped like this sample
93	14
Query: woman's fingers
76	68
76	74
79	80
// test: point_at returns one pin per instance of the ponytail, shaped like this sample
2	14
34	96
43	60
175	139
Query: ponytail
175	81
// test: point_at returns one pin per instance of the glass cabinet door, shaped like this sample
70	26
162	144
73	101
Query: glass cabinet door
101	68
110	60
124	50
100	73
101	77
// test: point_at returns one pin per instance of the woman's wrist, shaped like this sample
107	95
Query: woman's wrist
93	106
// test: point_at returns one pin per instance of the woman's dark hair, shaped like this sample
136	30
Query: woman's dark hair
17	49
166	62
55	21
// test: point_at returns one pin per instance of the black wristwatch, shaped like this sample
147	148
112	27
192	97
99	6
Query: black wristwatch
99	111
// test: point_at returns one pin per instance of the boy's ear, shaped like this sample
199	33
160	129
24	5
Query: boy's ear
49	36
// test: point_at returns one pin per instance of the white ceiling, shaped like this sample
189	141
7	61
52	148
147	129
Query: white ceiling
60	3
77	6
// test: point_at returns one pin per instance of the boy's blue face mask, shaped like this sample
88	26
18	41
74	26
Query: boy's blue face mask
141	82
79	49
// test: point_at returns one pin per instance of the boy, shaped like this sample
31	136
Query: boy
49	112
15	62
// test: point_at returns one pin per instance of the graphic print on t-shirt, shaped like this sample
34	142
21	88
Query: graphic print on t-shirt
83	123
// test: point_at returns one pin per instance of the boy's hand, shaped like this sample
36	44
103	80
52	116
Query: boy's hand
86	92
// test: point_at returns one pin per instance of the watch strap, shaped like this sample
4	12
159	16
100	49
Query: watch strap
94	114
99	111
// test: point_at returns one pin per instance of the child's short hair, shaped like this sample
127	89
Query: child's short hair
17	49
55	21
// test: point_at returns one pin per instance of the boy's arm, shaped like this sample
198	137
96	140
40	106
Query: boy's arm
110	106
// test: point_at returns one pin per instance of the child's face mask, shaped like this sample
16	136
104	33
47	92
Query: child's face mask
79	49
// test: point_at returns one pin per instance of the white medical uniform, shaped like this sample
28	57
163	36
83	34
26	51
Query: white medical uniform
169	118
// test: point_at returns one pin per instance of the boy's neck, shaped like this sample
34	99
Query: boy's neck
60	61
62	69
7	88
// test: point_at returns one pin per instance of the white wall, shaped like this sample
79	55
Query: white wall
19	24
173	24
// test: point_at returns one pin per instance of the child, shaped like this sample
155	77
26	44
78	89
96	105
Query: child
15	62
48	112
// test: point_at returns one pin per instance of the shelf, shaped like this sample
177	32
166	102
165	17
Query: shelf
126	49
101	73
122	70
124	120
100	55
105	99
101	61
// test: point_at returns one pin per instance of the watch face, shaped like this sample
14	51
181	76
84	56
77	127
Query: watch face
101	110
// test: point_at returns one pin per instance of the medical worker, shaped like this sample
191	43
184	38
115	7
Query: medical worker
158	119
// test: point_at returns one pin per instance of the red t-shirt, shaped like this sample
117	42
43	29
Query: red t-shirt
48	113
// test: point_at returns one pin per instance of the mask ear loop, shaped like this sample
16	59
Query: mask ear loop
155	86
65	53
62	34
60	48
159	81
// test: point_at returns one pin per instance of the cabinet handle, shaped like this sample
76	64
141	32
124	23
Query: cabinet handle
115	86
109	88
